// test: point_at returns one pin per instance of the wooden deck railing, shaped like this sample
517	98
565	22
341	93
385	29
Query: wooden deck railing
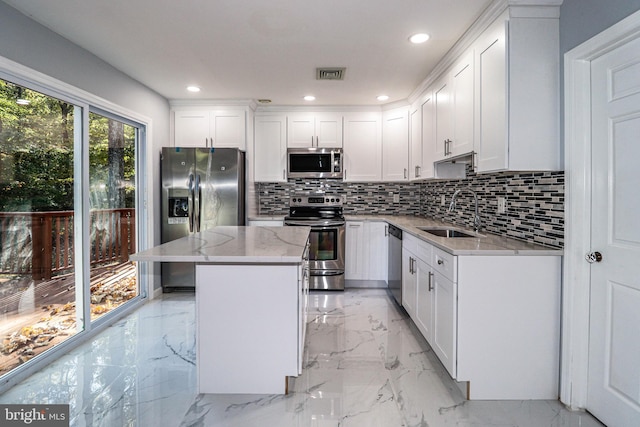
42	243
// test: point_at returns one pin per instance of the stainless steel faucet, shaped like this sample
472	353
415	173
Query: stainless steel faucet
476	217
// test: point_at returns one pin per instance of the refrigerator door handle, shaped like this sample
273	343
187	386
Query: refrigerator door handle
190	203
197	194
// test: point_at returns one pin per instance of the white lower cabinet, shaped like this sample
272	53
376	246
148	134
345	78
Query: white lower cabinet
354	259
436	302
409	274
493	321
366	250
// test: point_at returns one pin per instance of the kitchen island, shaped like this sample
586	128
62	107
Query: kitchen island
251	302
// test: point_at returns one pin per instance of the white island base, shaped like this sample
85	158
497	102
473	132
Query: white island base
252	289
249	326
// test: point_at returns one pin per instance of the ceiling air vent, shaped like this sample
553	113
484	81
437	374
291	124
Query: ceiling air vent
333	73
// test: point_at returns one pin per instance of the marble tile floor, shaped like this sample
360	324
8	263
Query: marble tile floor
366	365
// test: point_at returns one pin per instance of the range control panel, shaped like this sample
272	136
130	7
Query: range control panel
319	200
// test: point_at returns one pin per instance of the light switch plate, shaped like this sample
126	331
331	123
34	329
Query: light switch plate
396	198
502	205
443	200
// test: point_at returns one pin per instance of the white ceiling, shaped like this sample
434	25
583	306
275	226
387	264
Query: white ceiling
252	49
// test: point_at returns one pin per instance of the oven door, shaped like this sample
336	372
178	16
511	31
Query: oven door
326	250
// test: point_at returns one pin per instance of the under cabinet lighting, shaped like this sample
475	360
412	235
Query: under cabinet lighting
309	98
193	88
382	97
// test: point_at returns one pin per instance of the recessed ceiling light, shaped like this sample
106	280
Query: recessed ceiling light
193	88
382	97
419	38
309	98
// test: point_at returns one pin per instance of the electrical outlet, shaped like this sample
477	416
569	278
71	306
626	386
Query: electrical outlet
502	205
396	198
443	200
391	193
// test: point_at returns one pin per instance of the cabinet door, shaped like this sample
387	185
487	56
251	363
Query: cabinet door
328	130
270	150
191	128
491	143
415	144
395	145
409	282
377	243
300	130
443	126
445	314
228	129
355	257
462	80
362	147
424	300
428	138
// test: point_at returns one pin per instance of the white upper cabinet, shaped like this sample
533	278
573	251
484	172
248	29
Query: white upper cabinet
210	128
428	135
314	130
270	148
454	110
415	143
362	147
395	145
517	127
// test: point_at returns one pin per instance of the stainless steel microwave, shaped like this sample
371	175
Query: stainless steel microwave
314	162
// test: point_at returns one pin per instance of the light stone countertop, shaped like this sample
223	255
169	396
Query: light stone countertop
484	244
266	218
233	245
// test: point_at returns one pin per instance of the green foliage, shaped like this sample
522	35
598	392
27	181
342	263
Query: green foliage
37	153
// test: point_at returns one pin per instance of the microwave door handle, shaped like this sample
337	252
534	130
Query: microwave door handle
190	203
196	202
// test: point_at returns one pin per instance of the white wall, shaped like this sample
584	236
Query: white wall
28	43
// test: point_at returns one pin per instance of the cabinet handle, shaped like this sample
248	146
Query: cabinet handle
386	230
440	262
312	140
417	171
405	173
412	265
430	281
284	171
317	141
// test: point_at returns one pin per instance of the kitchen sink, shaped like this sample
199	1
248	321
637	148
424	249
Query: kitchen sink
446	232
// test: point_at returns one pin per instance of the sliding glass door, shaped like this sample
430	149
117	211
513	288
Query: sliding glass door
67	220
112	196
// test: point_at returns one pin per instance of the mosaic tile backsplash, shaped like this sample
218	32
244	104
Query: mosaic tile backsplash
534	201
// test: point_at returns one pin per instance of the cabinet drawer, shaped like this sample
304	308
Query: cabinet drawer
410	242
445	264
424	251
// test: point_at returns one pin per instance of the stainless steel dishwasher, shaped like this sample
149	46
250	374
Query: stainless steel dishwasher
394	275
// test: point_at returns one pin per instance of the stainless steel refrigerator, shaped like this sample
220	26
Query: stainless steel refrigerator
201	188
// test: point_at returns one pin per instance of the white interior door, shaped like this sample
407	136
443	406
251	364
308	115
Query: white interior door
614	336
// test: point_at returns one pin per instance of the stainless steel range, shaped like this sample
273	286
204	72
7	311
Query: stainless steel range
323	213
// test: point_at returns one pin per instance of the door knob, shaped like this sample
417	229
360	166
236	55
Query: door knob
593	257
